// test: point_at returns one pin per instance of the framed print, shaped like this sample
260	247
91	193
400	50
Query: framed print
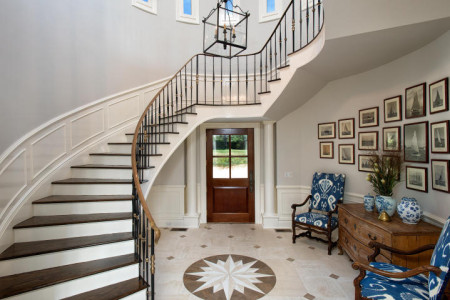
440	174
439	137
368	117
391	138
439	96
416	142
365	162
368	140
327	130
415	101
326	150
393	109
347	154
346	128
417	178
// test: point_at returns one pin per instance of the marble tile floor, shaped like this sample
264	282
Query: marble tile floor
303	270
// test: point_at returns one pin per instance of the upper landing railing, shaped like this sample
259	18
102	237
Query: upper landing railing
211	80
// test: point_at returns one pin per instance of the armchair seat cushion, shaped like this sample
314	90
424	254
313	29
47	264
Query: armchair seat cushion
418	279
377	288
316	219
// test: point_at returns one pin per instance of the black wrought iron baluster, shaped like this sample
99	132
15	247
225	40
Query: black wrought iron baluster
260	71
182	104
275	54
152	257
318	12
270	59
301	24
246	79
213	78
185	87
285	42
254	78
229	63
307	22
314	17
266	70
204	75
176	99
281	44
238	80
293	26
191	85
221	80
196	80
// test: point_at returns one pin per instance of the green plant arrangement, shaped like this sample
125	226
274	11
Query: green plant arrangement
385	174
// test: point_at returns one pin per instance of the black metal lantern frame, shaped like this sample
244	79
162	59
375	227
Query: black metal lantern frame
225	31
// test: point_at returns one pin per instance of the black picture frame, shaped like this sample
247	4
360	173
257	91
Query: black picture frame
368	140
393	109
438	92
364	162
323	150
440	174
326	130
415	145
440	136
415	101
346	128
392	139
368	117
346	154
417	178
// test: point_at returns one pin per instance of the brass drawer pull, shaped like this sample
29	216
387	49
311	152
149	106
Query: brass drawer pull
373	238
354	226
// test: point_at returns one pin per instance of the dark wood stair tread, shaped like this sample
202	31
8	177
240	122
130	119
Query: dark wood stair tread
92	181
156	132
114	291
41	221
272	80
81	198
262	93
25	249
25	282
282	67
100	166
166	123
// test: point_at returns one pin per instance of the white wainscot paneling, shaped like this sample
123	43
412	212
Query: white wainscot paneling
286	196
13	179
86	127
47	149
123	111
166	202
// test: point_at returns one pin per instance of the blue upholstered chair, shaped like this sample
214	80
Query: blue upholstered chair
387	281
327	191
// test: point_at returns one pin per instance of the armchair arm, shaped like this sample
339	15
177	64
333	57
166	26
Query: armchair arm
377	246
364	267
294	206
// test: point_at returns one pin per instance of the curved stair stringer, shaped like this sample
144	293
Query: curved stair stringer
205	113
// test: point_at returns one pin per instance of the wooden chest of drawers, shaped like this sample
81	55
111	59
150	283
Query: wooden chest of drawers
357	228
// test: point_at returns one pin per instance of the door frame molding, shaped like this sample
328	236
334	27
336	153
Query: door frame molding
257	152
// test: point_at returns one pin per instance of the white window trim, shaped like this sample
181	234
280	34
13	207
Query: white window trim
191	19
264	16
151	6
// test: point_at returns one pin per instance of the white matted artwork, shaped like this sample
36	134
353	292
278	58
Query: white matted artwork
439	96
347	154
346	128
440	175
417	178
368	117
439	137
326	150
416	142
393	109
326	130
391	138
368	140
415	101
365	162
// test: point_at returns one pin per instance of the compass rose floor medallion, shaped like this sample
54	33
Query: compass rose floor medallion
229	277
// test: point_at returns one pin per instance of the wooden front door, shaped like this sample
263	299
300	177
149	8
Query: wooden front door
230	175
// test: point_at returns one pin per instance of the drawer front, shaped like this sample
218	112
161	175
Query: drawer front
356	250
362	231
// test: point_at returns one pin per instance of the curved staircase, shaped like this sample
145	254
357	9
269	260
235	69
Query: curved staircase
94	236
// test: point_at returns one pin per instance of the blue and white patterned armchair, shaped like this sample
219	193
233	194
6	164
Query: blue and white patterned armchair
382	281
327	190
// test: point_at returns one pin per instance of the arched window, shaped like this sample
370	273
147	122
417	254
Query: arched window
146	5
188	11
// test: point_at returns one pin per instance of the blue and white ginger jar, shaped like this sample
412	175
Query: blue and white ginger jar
409	210
385	203
369	202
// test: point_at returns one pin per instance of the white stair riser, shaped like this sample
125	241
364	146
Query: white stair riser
92	189
77	208
110	160
99	173
156	138
120	148
141	295
68	231
81	285
61	258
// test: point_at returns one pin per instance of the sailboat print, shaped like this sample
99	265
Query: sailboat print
414	145
438	141
415	108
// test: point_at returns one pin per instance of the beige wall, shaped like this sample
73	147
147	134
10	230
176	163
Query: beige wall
297	143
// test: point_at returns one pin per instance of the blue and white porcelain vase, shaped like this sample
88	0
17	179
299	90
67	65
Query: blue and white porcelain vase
409	210
369	202
385	203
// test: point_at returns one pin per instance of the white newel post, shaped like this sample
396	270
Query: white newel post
191	218
270	220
